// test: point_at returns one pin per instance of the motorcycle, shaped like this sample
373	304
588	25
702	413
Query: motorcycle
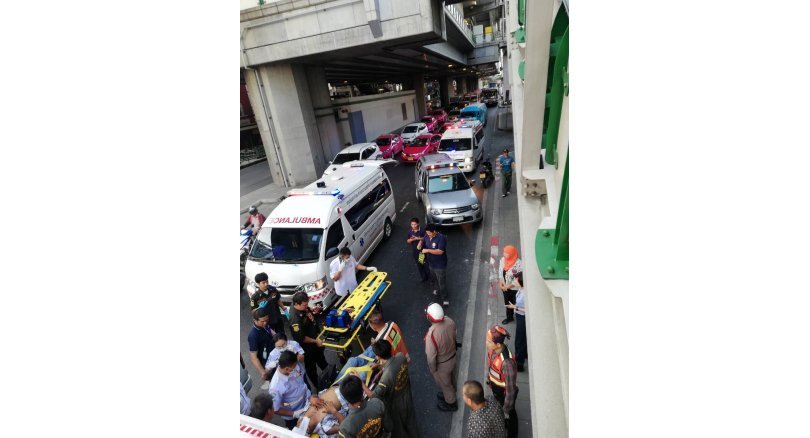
246	238
485	174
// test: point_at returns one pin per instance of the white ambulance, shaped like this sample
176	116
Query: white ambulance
465	143
353	206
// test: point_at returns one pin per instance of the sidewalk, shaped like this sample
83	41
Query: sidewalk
503	234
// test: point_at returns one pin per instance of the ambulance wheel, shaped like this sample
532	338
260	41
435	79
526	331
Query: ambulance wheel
387	229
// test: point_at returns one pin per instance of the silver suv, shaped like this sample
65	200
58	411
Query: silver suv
445	191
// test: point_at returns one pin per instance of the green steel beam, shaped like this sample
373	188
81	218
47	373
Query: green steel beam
551	245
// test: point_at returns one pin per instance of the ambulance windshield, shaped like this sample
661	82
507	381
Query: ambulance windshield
287	245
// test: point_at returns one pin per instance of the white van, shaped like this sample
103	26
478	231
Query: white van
464	142
353	206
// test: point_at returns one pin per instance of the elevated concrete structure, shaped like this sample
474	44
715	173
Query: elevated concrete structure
293	48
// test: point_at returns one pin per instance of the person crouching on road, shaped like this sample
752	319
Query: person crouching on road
342	270
435	249
282	345
440	349
364	415
289	389
416	235
502	376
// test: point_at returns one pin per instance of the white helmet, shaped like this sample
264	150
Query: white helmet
434	312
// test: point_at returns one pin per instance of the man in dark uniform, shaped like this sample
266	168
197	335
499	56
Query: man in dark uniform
394	389
305	329
365	417
416	235
268	296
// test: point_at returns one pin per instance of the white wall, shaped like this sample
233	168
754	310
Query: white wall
382	113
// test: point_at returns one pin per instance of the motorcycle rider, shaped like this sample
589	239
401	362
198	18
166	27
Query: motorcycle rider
254	220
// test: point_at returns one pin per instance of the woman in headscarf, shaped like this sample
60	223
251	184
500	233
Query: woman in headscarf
509	266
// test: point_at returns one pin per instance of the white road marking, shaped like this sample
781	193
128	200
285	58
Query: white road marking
456	425
405	206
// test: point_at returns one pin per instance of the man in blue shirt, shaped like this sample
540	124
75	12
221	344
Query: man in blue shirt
506	163
260	340
289	389
435	249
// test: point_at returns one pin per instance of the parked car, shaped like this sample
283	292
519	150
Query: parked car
390	145
413	130
430	122
440	115
359	151
422	145
452	116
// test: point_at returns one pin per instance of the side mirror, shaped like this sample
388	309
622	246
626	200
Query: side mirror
331	252
421	190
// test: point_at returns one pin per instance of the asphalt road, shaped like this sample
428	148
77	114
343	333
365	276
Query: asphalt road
405	302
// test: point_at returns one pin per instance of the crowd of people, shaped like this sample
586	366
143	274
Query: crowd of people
371	395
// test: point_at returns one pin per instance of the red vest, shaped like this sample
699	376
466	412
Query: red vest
495	362
392	334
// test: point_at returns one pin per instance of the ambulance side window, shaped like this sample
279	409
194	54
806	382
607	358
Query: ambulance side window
478	137
334	236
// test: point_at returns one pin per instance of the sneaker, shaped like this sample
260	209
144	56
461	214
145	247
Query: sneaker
507	321
508	193
446	303
503	196
435	292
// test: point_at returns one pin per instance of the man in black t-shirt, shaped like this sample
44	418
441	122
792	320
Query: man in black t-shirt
268	297
260	340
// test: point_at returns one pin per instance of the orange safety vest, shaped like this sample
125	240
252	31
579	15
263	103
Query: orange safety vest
393	334
495	362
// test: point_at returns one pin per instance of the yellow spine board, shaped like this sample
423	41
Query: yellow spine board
359	297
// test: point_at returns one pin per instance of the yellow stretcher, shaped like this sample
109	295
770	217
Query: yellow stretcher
359	304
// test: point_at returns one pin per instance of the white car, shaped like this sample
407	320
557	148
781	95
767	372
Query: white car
359	151
413	130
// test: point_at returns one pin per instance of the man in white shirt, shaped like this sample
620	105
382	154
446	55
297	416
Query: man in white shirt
342	270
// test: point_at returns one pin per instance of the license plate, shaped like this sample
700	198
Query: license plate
458	218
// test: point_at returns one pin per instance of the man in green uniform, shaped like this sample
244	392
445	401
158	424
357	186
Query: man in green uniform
365	416
394	389
305	329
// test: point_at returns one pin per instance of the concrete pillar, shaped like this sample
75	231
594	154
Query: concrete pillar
507	79
287	123
472	83
330	140
444	90
419	89
462	82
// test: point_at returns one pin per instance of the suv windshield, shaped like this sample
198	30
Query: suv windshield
385	141
455	144
287	245
345	158
447	183
409	129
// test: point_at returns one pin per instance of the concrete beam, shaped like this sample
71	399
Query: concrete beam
447	51
336	25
